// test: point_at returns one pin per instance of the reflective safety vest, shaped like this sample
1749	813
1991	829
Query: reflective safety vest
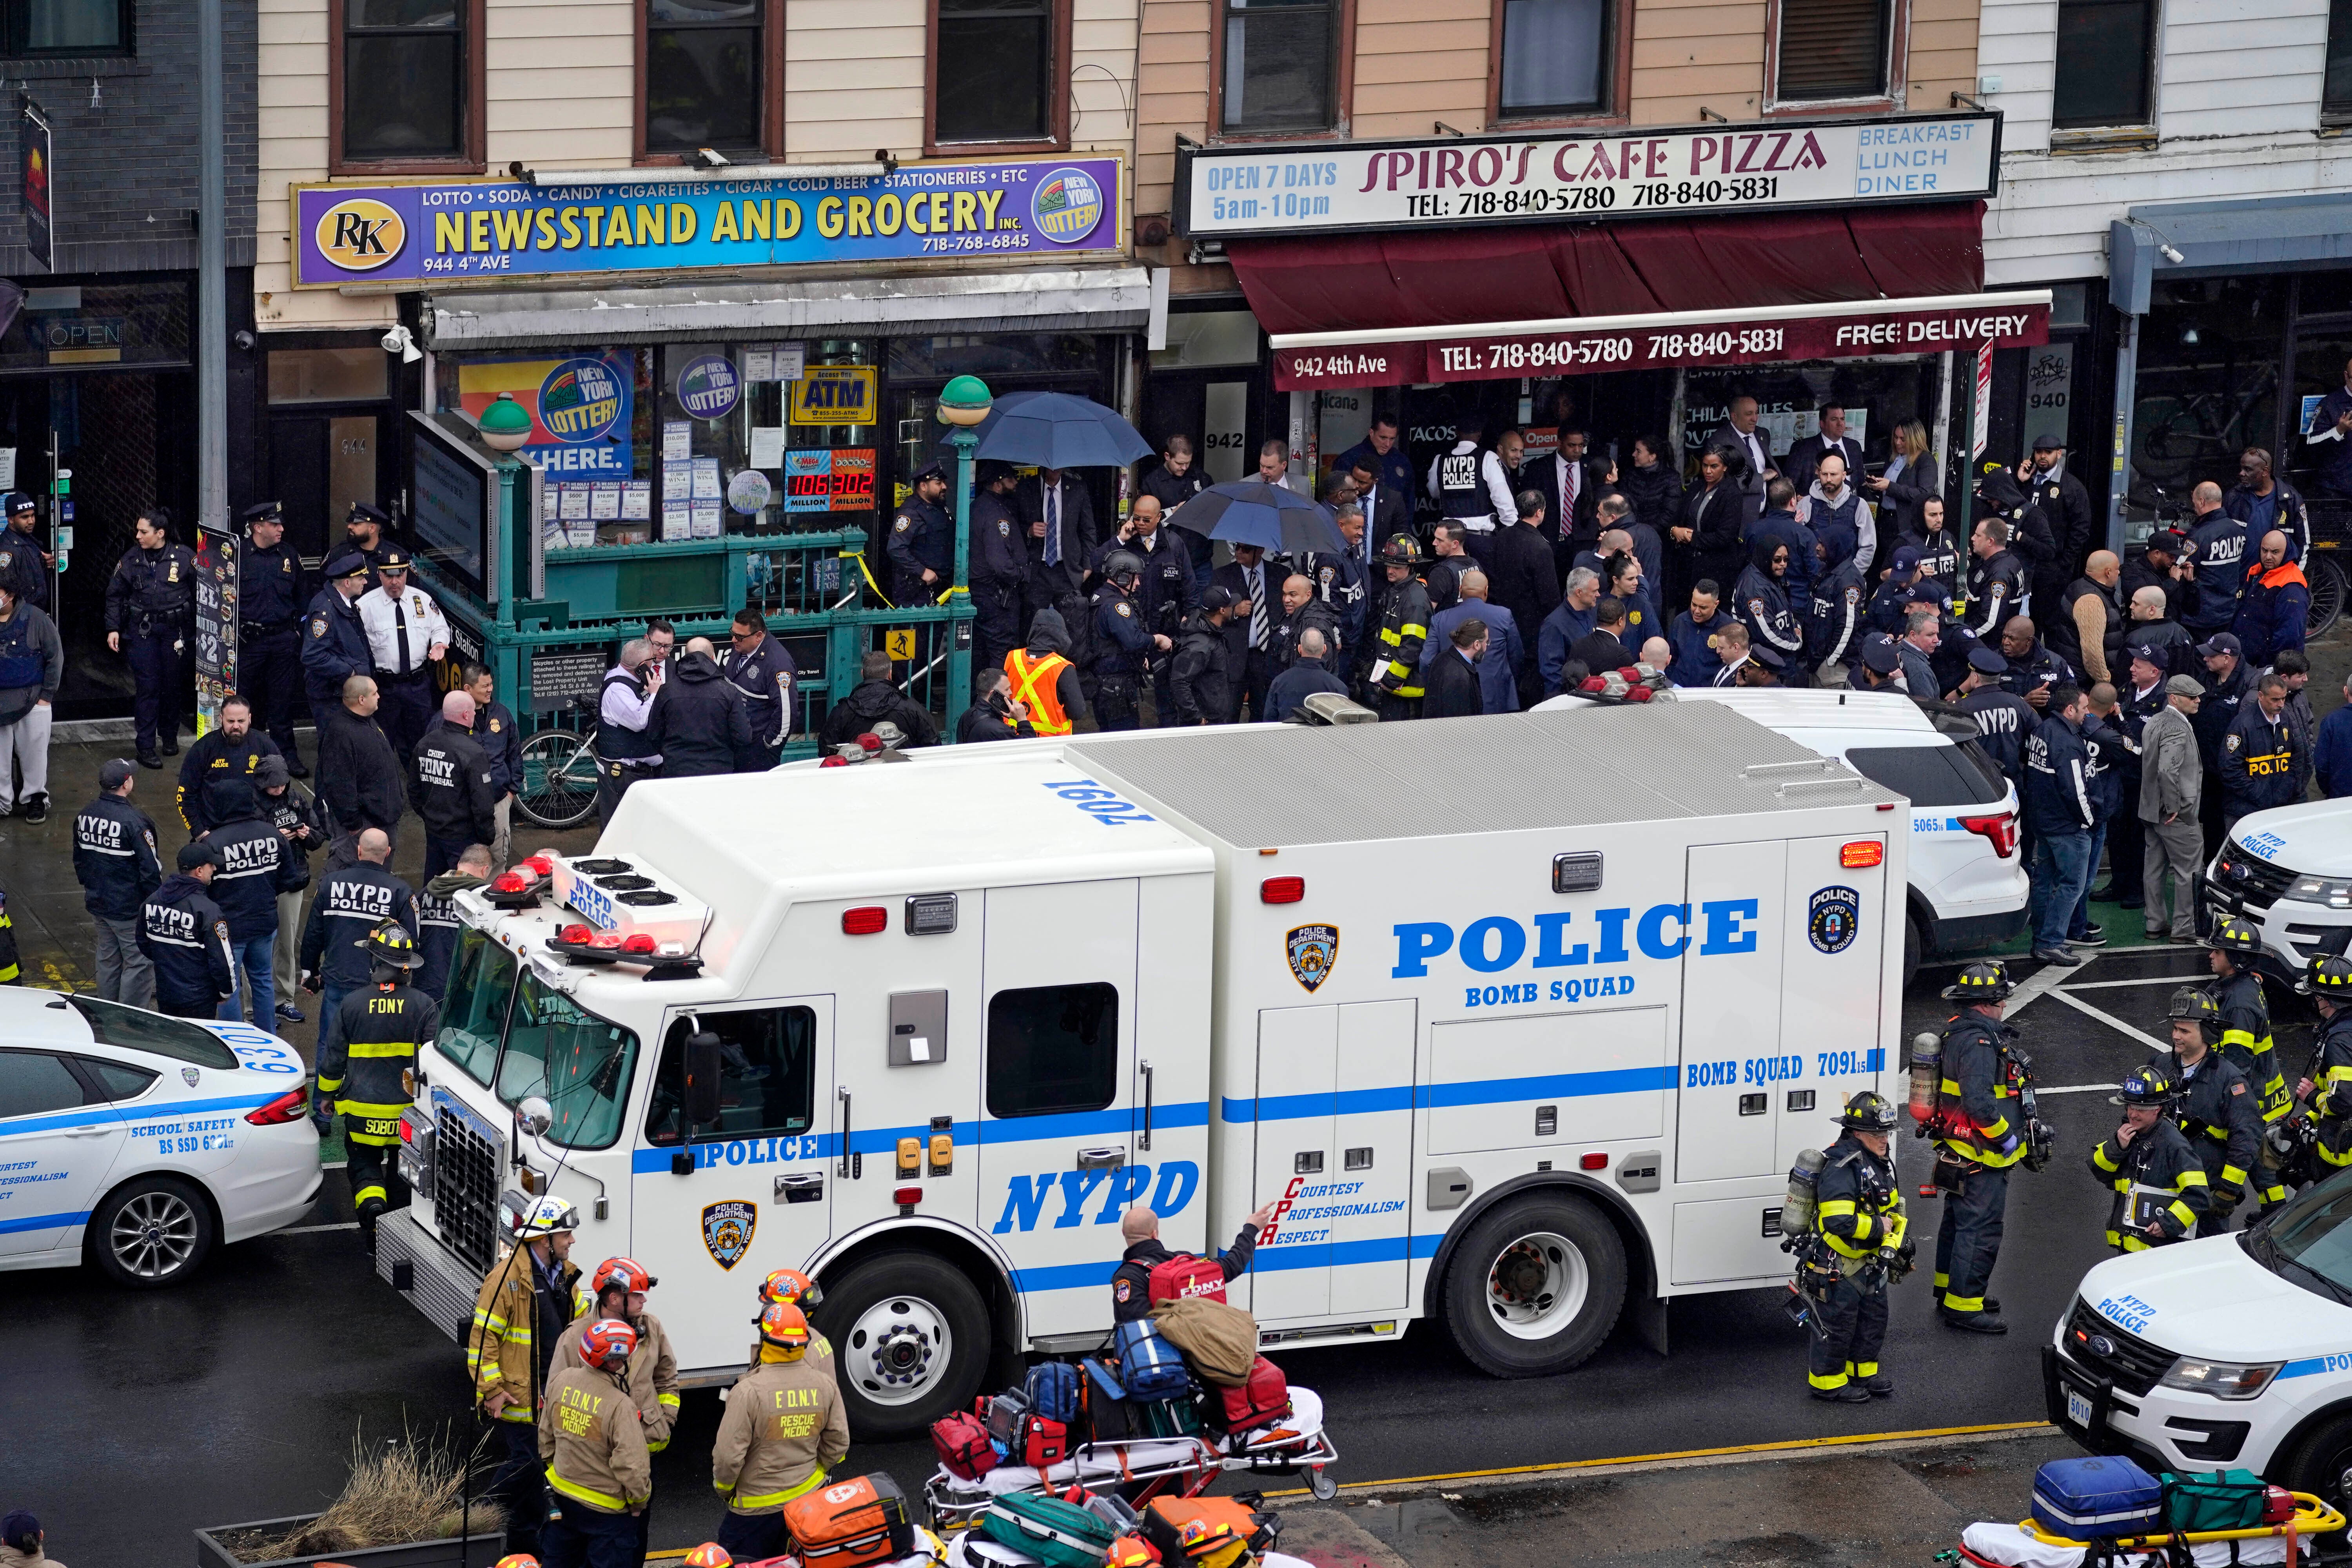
1036	680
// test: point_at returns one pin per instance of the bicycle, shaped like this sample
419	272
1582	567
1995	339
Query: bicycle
559	774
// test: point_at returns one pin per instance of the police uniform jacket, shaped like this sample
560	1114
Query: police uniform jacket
783	1430
1344	583
1172	490
2161	1158
998	563
1404	626
1763	606
22	571
437	915
115	858
2058	779
2265	762
501	741
2067	505
2246	1041
291	810
257	865
2220	1115
152	591
2217	549
1131	1293
2286	514
359	773
1834	620
2175	649
268	589
765	675
922	537
1121	640
1997	591
1975	1092
1167	592
452	786
1803	563
182	932
652	1368
1859	1205
1890	603
1942	556
334	649
216	756
1282	637
353	901
383	1025
2331	1092
2139	572
595	1443
1444	578
2004	723
2039	667
2108	749
2216	714
1694	661
1202	681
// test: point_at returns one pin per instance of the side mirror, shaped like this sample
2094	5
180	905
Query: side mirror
535	1115
701	1080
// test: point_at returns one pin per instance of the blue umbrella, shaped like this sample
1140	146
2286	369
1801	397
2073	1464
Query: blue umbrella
1251	511
1058	430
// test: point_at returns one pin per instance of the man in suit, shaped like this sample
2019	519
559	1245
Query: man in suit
1452	681
1382	502
1057	520
2063	502
1741	430
1249	630
1569	494
1806	455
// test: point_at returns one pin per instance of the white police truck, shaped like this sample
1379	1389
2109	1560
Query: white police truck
1518	1019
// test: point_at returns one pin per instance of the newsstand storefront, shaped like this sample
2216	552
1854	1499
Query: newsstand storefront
732	415
1630	285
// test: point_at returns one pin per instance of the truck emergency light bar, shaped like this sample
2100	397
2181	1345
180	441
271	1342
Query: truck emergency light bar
619	901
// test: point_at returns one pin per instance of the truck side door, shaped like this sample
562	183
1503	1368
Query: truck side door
1057	1125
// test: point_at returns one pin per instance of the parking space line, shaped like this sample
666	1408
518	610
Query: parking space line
2078	1088
2144	980
316	1229
2109	1019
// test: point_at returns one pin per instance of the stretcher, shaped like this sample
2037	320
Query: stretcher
2026	1544
1143	1470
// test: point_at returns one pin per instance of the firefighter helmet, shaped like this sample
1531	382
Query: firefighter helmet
1868	1112
1401	550
1129	1552
710	1555
517	1560
1122	564
784	1325
607	1343
2332	976
792	1285
1983	981
2235	935
2190	1004
2144	1086
544	1217
626	1272
389	944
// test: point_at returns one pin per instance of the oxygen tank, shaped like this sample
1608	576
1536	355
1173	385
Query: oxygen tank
1927	1062
1804	1189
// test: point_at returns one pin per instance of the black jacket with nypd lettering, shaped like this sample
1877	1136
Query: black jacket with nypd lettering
256	862
353	900
1130	1282
183	932
114	858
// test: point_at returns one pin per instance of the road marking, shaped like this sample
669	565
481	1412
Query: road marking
2144	980
2045	979
2008	1429
2079	1089
315	1229
2109	1019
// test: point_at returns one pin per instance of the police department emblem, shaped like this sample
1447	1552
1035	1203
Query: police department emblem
1833	916
727	1230
189	1076
318	625
1313	951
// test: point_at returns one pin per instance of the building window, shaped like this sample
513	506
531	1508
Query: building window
65	27
1833	49
2335	96
994	72
1277	64
702	75
2105	49
404	82
1555	56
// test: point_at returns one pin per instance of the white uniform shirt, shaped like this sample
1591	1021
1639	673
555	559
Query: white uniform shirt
412	618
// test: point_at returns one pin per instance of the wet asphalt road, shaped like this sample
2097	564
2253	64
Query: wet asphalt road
135	1418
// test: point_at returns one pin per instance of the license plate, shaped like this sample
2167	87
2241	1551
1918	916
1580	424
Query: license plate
2078	1409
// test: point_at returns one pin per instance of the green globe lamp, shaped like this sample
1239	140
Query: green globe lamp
505	424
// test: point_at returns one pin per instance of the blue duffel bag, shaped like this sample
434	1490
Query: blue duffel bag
2097	1499
1148	1366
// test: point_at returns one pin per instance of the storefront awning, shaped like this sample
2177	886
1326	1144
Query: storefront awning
2223	238
1059	299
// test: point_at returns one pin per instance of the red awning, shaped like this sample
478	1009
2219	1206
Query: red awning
1545	277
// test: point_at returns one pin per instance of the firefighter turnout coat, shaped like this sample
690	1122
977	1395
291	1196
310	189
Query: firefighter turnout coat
784	1428
594	1442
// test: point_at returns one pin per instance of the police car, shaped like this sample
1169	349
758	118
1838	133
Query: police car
2288	873
139	1143
2229	1351
1968	884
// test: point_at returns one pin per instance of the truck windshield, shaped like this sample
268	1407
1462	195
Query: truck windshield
2307	1240
580	1063
474	1008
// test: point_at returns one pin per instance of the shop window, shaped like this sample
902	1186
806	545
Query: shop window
1832	50
992	71
2106	54
329	376
1277	64
406	79
1554	57
65	26
2208	383
986	355
2336	95
702	75
1202	338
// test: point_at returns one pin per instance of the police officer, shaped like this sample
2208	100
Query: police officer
1404	626
353	901
269	627
1859	1247
998	566
758	667
367	1068
1123	643
595	1443
407	637
2216	557
301	822
334	639
1996	583
1166	590
23	565
1468	482
2217	1109
363	531
453	786
440	923
2236	989
2265	759
2003	720
183	934
2328	1092
116	863
232	749
921	549
150	605
1344	582
1978	1141
2160	1188
784	1428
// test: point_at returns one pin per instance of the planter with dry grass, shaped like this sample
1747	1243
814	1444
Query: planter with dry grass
401	1508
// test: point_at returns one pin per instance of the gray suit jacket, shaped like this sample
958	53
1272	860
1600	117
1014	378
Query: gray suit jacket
2171	777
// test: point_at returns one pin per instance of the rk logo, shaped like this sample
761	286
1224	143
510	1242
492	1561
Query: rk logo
360	235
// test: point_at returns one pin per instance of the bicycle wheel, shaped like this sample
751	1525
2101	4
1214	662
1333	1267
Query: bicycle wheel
2326	596
559	779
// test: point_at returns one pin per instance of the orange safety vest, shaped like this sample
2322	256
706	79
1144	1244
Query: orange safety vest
1039	685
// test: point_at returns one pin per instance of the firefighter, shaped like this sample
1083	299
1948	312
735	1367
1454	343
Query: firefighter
1130	1282
796	1289
2216	1108
2330	1095
617	1289
1404	625
785	1426
2160	1188
1979	1141
367	1070
594	1442
2237	990
523	1308
1859	1225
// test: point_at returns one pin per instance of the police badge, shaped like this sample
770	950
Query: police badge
1833	916
727	1230
189	1076
1313	951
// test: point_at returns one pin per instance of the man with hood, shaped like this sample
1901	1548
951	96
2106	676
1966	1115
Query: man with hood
875	698
993	715
32	663
2030	539
253	865
1043	678
702	722
1200	681
184	935
1833	617
1781	519
436	915
2275	603
1761	599
302	824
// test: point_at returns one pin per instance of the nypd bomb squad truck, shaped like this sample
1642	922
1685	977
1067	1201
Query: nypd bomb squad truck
1519	1021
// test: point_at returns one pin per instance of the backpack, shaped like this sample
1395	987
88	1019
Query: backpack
859	1520
1175	1279
1042	1442
1148	1366
1108	1417
963	1445
1052	1391
1262	1399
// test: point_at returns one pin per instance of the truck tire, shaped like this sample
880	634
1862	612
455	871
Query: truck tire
1534	1285
911	1338
149	1233
1911	946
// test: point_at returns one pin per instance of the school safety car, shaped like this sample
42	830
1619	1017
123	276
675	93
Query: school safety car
140	1142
